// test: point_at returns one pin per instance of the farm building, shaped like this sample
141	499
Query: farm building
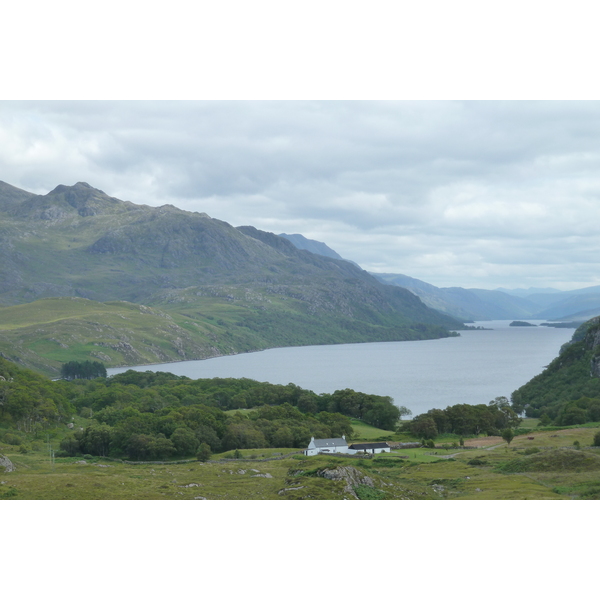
371	447
340	445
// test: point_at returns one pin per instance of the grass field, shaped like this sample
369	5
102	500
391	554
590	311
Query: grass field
477	473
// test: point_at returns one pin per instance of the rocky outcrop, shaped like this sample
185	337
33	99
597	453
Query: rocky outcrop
351	475
7	464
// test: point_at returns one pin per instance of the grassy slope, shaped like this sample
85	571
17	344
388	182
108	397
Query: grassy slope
43	334
424	475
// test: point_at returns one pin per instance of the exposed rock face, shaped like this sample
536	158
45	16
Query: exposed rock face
7	464
351	475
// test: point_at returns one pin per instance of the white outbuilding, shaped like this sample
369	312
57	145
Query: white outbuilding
370	448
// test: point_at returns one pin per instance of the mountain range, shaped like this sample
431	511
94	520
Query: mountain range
481	305
86	275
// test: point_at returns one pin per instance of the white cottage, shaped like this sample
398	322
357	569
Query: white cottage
327	445
340	445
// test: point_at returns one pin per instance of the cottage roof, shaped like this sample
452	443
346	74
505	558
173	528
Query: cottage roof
369	446
330	442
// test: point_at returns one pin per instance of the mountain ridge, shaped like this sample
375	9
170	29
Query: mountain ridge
261	291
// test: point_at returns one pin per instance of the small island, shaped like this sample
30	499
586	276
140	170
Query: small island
521	324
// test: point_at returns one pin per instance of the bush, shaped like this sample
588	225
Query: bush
365	492
531	451
13	439
597	439
477	462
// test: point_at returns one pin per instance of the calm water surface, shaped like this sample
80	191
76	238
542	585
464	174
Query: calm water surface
473	368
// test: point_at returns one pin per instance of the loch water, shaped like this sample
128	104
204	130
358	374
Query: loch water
473	368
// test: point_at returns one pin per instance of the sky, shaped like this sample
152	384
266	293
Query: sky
457	193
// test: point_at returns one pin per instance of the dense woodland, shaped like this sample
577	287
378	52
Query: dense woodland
567	392
146	415
465	419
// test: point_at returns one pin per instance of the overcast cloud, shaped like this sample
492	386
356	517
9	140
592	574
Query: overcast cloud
470	194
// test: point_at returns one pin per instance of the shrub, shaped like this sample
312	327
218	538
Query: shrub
12	492
597	439
531	451
12	439
507	435
577	444
365	492
477	462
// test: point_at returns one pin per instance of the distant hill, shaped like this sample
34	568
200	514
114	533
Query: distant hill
468	304
524	293
481	305
231	288
311	245
314	246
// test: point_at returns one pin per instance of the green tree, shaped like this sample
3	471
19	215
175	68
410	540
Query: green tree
507	435
545	420
423	426
404	412
185	441
204	452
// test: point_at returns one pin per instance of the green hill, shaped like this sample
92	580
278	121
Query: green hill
568	390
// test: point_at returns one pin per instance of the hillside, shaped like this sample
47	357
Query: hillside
567	392
228	289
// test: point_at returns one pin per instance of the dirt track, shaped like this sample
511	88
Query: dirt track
491	440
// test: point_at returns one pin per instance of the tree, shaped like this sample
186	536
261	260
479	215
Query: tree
404	412
507	435
185	441
204	452
82	370
423	426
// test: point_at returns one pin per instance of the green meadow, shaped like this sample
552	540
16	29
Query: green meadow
548	467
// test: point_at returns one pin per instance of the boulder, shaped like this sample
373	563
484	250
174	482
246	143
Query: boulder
7	464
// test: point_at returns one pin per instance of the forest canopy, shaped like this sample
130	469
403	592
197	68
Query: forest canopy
147	415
